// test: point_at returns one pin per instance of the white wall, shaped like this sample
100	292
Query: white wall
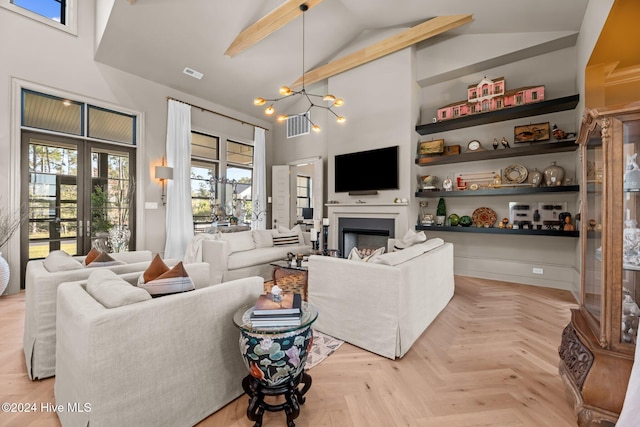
48	58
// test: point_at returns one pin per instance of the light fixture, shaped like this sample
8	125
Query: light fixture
286	92
163	173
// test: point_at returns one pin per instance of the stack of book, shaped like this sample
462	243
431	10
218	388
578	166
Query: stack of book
286	312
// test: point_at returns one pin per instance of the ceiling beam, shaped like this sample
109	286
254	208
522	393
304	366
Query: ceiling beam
269	23
392	44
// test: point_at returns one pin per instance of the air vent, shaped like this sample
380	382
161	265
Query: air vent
298	125
193	73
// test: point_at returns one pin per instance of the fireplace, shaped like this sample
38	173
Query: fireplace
364	233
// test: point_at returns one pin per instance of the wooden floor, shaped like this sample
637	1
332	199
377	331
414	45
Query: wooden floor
489	359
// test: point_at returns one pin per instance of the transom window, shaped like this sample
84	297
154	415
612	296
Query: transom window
60	14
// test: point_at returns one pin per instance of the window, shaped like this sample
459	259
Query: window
111	125
240	169
204	166
303	194
443	115
534	95
59	14
499	103
519	99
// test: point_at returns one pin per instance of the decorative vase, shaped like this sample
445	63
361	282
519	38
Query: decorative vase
553	175
535	177
4	274
119	236
632	175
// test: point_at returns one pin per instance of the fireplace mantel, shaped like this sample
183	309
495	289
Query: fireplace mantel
399	212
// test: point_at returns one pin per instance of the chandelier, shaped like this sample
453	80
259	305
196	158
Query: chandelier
329	101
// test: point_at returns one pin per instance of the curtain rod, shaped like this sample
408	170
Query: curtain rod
219	114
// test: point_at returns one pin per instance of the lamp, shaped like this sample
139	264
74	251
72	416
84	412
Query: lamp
163	173
330	100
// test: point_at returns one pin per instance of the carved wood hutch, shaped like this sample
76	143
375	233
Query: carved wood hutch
597	349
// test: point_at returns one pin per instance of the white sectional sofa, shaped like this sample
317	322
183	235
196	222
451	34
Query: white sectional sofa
41	282
167	361
249	253
383	305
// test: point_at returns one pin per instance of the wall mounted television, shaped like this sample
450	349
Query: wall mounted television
367	171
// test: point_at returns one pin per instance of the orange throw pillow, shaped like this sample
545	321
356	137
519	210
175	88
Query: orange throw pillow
177	271
156	269
91	256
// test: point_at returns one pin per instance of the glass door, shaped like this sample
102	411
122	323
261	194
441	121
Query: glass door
76	192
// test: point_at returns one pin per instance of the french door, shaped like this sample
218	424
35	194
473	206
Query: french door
74	191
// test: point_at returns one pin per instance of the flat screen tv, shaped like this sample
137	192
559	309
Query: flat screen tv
367	171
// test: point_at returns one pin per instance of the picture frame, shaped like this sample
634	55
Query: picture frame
431	147
532	133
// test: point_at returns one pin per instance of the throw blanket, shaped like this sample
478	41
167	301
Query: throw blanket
194	248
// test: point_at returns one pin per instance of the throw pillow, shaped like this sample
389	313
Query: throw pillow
103	260
240	241
173	281
285	239
295	230
263	238
155	269
356	255
410	238
93	254
60	261
112	291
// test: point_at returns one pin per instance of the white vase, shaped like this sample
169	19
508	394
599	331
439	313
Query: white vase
4	274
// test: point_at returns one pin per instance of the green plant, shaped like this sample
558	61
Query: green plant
99	213
441	210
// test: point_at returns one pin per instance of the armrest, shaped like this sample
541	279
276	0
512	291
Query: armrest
216	253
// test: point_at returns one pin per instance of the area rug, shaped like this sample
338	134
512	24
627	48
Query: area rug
323	346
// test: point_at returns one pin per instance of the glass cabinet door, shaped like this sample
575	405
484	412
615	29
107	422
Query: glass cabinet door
591	216
630	295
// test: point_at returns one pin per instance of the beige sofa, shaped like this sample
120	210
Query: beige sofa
41	284
248	253
383	305
168	361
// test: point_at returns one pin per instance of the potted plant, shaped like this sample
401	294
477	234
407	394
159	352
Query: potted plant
441	212
9	223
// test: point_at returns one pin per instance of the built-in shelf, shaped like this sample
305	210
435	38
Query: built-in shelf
527	110
506	191
528	149
495	230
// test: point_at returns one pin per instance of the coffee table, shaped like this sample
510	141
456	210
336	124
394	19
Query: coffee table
275	357
287	275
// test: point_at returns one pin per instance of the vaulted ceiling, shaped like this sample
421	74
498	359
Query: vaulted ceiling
157	39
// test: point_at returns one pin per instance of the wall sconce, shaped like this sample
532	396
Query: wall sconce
163	173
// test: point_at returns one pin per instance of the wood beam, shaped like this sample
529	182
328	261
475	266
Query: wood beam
392	44
269	23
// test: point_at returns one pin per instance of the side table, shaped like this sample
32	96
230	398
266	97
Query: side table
275	358
291	275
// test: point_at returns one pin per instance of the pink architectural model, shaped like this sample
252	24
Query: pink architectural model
490	95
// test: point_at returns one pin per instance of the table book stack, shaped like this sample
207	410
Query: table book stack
269	312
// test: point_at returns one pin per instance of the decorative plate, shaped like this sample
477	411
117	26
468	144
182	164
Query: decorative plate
484	217
515	174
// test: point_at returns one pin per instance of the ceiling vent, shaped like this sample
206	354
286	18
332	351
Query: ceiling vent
298	125
193	73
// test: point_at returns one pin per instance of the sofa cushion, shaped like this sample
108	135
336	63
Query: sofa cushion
263	238
240	241
398	257
60	261
173	281
112	291
409	239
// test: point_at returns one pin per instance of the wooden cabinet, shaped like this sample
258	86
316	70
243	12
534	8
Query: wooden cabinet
597	348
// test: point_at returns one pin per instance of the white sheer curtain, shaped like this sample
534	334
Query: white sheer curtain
179	217
259	185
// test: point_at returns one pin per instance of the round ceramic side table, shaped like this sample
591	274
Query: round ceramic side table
275	357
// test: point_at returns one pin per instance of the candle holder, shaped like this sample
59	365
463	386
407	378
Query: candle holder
325	239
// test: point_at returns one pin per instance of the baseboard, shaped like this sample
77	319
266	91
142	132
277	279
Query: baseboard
554	276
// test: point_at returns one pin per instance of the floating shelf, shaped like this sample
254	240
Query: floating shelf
495	230
527	110
529	149
498	191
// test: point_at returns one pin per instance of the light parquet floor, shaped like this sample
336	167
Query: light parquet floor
489	359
